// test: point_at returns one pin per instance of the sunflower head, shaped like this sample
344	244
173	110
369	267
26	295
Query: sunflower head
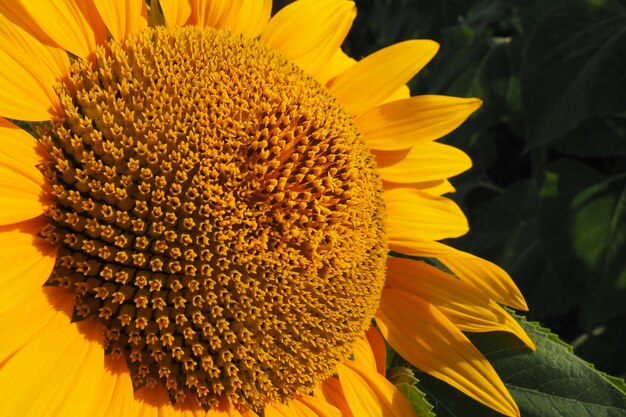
209	199
217	210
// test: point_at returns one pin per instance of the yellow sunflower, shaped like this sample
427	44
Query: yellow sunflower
197	207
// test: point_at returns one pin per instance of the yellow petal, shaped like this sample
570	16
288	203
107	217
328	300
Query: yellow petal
487	277
28	74
152	401
414	246
309	32
402	93
21	198
115	393
188	408
15	12
123	17
20	151
57	374
338	63
436	187
21	183
30	227
321	408
377	344
27	262
377	76
226	409
155	402
247	17
207	13
74	25
469	309
175	12
42	310
331	389
414	213
301	409
369	394
422	335
279	410
363	354
429	161
405	123
244	413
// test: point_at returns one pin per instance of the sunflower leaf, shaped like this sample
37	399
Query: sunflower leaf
573	67
582	226
551	382
608	133
404	379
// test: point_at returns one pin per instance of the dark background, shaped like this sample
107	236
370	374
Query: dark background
546	198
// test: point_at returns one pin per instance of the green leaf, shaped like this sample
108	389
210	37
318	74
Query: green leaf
583	227
406	382
551	382
574	67
600	136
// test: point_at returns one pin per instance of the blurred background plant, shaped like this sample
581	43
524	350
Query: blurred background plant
546	198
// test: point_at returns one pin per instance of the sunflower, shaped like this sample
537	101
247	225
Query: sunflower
203	210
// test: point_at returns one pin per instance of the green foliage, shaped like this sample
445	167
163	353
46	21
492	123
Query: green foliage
406	382
599	136
551	382
570	78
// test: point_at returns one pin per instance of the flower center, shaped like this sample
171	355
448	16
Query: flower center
219	213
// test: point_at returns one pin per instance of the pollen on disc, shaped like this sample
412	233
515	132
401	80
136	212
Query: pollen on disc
217	210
